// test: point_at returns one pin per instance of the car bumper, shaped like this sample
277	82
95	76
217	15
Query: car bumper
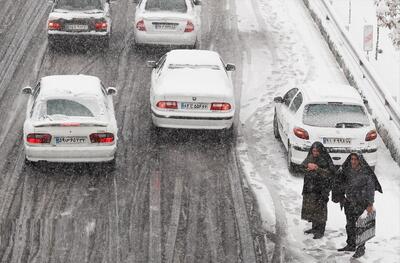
156	39
70	154
165	120
60	34
339	155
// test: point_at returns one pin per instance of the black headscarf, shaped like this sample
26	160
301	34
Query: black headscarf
323	154
363	163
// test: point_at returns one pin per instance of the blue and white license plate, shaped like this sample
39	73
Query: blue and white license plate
194	106
70	139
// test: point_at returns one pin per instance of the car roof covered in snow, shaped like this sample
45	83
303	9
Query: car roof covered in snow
193	56
59	85
327	92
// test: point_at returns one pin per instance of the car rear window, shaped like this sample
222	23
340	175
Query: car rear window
78	4
179	66
63	108
335	115
166	5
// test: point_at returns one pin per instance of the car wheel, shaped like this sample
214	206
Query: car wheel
51	45
276	129
290	164
110	165
196	45
106	42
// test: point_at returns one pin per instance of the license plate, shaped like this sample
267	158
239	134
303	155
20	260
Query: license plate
167	26
70	139
194	106
336	141
77	27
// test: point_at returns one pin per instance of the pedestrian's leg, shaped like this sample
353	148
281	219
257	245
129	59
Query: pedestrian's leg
319	230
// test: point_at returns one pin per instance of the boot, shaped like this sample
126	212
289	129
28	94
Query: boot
318	235
347	248
360	251
310	231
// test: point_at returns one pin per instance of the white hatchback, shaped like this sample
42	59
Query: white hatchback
332	114
167	23
70	118
192	89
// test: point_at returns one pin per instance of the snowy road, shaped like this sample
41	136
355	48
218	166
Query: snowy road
173	198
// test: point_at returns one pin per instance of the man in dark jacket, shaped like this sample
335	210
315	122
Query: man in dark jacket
318	171
354	188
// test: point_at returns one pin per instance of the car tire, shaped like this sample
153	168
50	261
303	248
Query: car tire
51	44
111	165
106	42
290	164
275	127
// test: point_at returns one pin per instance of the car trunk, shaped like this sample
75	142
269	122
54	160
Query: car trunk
170	23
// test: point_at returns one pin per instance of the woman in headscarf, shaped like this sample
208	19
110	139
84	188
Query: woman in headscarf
354	187
318	171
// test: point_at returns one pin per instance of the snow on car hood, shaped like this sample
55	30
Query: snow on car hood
69	15
189	82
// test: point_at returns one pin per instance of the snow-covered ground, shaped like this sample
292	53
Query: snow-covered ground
293	52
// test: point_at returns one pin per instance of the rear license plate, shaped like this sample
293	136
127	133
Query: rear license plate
165	26
77	27
70	139
336	141
194	106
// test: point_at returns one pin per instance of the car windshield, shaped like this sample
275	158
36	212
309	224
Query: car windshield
166	5
78	4
179	66
55	109
335	115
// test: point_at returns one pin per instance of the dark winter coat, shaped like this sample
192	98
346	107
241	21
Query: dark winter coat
355	186
317	185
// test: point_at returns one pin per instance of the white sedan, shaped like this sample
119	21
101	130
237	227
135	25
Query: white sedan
70	118
332	114
192	89
70	19
169	23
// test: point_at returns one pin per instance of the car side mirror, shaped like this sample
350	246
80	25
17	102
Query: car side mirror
111	91
27	90
197	2
230	67
278	100
365	101
151	64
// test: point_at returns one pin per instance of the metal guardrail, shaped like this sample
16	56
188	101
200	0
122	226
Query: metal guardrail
392	107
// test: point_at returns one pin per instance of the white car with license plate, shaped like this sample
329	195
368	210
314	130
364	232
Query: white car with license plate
70	118
332	114
192	89
75	19
167	23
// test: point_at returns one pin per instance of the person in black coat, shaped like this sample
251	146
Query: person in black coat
354	187
318	171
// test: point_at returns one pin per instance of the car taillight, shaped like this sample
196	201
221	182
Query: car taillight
101	26
189	26
167	105
372	135
301	133
140	25
38	138
104	137
220	106
53	25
